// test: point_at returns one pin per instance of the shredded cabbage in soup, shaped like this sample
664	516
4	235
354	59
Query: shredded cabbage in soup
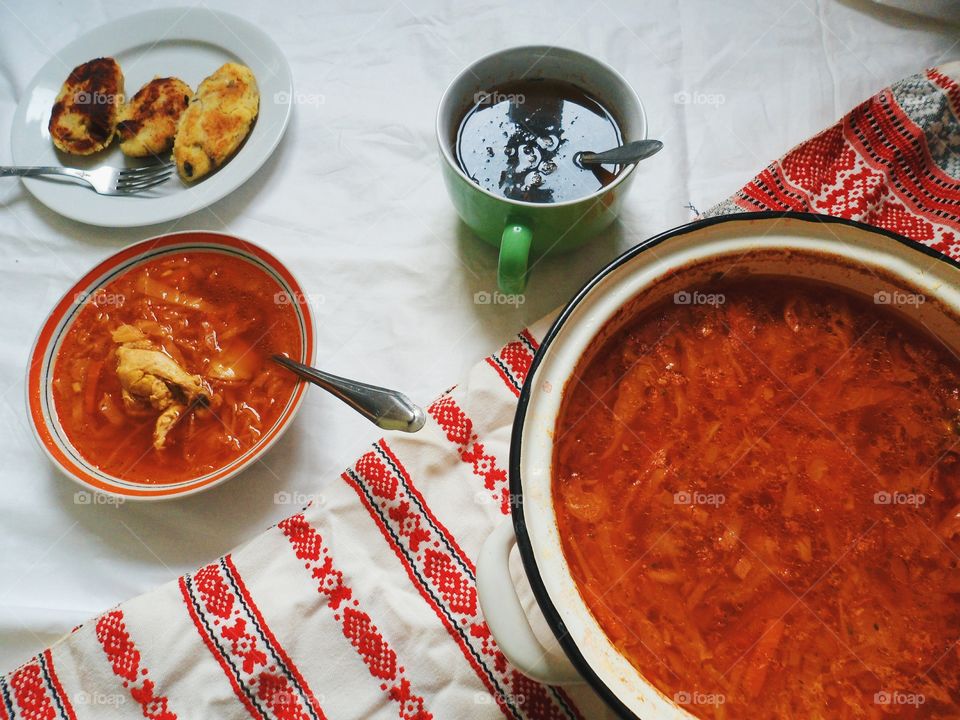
758	494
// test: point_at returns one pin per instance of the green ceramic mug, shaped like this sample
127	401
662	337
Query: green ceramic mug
523	230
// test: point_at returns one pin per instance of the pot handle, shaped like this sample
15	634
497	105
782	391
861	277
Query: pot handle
505	616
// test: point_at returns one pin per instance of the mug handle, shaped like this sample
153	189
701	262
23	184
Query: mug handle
506	618
514	256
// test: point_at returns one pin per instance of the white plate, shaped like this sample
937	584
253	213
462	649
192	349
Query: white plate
189	43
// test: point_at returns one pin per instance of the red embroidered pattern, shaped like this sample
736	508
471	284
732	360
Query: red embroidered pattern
125	660
30	693
877	166
261	673
33	692
57	695
512	362
459	430
951	88
445	578
356	625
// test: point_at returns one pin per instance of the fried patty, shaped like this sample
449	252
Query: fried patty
84	117
217	121
148	122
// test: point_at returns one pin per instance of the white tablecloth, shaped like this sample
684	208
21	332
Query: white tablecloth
353	201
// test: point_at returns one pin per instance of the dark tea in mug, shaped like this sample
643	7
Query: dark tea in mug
521	141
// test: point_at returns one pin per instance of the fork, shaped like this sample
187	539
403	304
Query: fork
104	180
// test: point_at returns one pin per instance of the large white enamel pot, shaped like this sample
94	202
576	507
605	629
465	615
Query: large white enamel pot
872	262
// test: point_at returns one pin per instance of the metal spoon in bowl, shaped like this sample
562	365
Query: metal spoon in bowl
632	152
388	409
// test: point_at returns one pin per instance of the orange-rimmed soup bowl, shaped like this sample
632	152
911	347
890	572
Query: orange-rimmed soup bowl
214	304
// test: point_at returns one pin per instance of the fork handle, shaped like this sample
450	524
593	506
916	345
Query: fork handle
38	170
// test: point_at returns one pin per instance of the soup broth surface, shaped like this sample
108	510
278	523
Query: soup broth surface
219	319
757	490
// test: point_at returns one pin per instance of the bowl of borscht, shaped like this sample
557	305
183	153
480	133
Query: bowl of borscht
151	378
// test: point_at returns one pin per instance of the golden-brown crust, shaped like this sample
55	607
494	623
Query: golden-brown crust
148	122
217	121
84	116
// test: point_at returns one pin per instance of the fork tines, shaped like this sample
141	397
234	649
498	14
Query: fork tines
132	180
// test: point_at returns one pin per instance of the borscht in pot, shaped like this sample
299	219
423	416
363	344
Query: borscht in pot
735	477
